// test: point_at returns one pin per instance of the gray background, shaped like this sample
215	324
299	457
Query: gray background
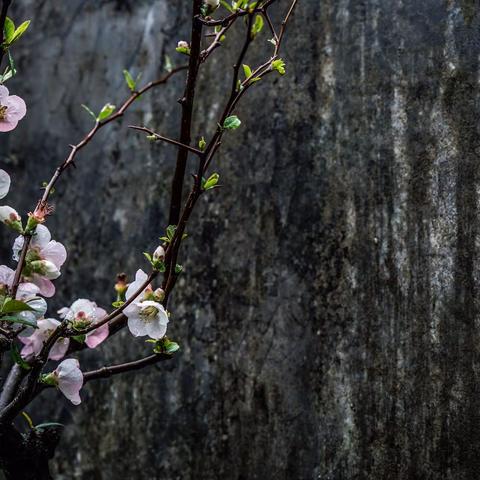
328	316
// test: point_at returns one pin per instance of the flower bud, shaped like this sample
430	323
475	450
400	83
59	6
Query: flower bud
11	218
209	6
38	216
159	254
45	268
183	47
159	295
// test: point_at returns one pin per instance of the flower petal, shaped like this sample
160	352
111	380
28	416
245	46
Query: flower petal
137	326
96	337
59	350
140	278
156	330
16	108
47	288
70	380
42	237
4	183
54	252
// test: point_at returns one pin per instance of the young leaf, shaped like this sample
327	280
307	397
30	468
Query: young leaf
231	123
227	6
131	83
257	26
106	111
89	112
17	358
171	347
15	306
168	64
247	71
171	231
9	30
279	66
22	321
212	181
19	31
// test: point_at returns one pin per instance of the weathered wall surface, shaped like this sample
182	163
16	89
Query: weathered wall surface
328	318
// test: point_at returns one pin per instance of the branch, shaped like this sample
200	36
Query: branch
167	140
187	112
3	17
71	157
106	372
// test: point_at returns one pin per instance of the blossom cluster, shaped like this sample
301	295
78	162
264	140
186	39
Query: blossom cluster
42	259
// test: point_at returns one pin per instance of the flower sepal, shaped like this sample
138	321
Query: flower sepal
164	345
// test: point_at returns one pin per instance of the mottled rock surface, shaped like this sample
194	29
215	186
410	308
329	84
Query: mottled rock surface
328	316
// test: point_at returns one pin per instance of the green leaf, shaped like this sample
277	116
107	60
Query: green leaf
227	6
184	50
171	231
279	66
90	112
80	338
171	347
11	63
19	31
147	256
20	320
247	70
117	304
178	268
202	144
212	181
17	358
106	111
131	83
168	64
231	123
257	26
9	30
14	306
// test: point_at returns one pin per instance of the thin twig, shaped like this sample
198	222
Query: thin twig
166	139
109	371
71	157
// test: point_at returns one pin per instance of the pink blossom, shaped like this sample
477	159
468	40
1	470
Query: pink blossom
69	379
44	259
12	110
4	183
83	314
27	292
33	343
146	315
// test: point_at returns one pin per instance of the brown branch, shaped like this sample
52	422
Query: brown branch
106	372
117	319
71	157
240	13
187	113
166	139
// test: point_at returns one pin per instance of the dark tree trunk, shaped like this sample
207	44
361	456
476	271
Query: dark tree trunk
26	456
328	314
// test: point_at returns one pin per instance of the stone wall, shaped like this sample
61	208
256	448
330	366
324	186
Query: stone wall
328	316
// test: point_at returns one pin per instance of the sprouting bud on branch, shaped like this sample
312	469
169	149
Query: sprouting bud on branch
183	47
